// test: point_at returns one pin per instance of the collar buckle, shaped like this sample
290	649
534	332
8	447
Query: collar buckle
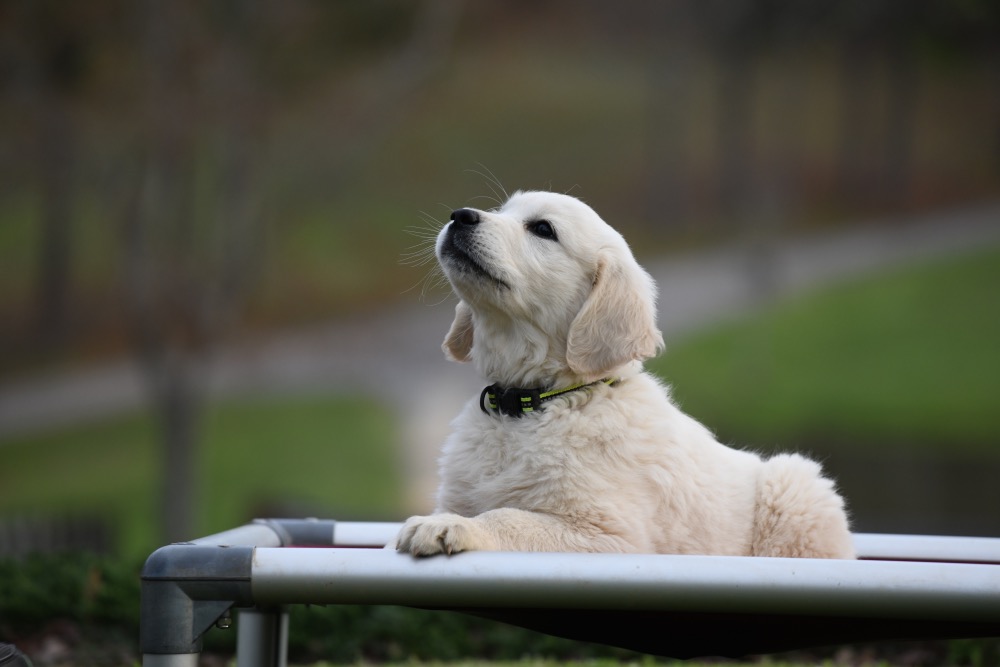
510	401
515	402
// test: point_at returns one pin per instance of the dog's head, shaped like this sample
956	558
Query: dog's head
549	292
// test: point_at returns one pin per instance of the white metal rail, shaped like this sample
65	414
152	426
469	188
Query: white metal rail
902	587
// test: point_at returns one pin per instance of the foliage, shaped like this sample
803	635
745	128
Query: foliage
82	587
379	634
974	652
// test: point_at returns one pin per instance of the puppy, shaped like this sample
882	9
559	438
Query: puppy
573	447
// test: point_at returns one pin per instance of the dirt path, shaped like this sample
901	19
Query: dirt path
395	355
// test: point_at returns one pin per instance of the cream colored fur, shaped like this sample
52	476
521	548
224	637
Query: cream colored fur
609	468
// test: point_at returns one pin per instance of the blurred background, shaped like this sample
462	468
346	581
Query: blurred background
215	294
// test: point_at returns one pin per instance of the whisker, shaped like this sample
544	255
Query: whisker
422	253
431	281
495	199
421	233
492	182
491	200
417	260
496	180
433	221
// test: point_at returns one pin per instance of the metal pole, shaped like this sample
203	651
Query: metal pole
365	533
170	659
262	638
845	588
186	589
251	534
934	548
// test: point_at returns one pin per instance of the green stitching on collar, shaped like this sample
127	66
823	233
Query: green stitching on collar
515	402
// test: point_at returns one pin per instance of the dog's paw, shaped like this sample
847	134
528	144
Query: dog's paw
442	534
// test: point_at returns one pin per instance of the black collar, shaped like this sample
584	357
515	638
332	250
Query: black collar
515	402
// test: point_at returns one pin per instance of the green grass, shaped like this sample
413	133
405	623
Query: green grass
910	358
328	455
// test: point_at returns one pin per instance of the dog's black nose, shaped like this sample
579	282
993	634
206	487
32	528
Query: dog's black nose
465	216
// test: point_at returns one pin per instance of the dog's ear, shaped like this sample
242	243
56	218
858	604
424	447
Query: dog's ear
458	343
617	323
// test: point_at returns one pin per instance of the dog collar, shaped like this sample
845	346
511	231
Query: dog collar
515	402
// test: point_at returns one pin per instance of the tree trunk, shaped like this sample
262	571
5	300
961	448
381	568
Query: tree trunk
735	131
900	121
854	171
179	409
56	146
669	199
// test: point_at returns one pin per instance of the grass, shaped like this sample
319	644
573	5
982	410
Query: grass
324	455
908	358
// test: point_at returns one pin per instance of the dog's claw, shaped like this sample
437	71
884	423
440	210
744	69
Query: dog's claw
440	534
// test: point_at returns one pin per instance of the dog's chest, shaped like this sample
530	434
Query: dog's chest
527	452
527	464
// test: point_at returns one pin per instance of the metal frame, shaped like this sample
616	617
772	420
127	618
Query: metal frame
901	587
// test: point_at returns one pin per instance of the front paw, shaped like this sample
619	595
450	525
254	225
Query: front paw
442	533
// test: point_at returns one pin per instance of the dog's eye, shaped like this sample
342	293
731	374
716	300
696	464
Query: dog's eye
542	229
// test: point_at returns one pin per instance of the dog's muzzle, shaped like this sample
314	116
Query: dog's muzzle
460	246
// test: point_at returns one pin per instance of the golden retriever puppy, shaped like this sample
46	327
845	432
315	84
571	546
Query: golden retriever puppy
572	446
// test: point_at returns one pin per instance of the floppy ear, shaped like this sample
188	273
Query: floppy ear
617	323
458	342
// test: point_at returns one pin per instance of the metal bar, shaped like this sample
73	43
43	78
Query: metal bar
249	535
170	660
186	588
860	589
365	533
262	638
302	532
870	546
934	548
